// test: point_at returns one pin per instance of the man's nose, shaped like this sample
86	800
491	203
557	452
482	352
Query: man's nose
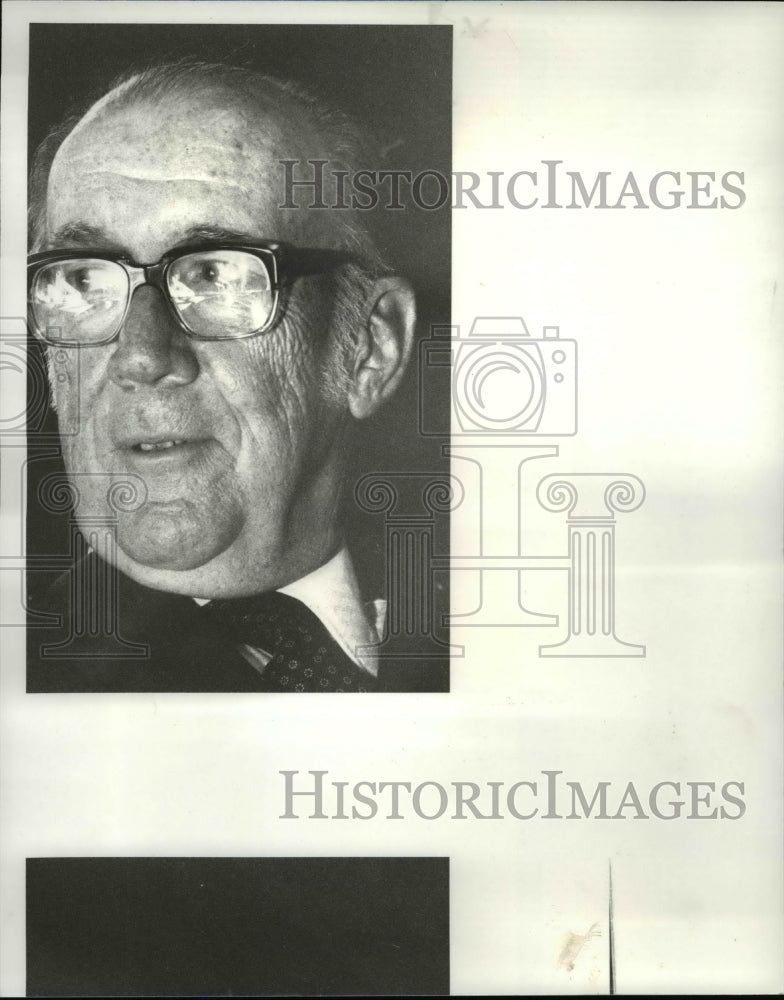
152	349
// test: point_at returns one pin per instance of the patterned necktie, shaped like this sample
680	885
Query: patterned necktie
304	656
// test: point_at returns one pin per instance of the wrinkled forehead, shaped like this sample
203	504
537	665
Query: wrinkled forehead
203	156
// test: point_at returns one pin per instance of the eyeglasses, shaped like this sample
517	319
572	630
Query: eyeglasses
217	292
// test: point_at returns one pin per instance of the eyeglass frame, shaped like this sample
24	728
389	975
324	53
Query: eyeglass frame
284	263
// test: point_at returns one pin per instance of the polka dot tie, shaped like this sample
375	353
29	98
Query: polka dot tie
304	656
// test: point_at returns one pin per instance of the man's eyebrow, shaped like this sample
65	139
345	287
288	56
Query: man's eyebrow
198	233
80	234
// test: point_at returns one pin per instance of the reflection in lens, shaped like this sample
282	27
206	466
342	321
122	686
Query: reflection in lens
225	293
80	300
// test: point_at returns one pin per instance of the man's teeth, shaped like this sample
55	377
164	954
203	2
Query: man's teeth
158	445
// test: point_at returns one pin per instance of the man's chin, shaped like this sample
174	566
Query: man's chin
168	539
165	559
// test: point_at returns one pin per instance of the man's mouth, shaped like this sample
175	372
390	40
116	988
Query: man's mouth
165	449
158	445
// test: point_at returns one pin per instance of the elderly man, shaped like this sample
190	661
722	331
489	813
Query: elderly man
213	350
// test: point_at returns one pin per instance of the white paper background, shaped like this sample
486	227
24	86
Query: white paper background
679	323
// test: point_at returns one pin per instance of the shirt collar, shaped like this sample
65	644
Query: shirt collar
332	594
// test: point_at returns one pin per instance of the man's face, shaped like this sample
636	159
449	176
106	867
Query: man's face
246	496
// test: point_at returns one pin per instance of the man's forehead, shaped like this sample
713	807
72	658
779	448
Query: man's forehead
172	140
173	163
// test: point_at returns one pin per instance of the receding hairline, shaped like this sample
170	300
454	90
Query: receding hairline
294	113
279	116
282	102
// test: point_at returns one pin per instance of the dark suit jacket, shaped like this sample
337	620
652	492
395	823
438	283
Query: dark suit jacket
114	634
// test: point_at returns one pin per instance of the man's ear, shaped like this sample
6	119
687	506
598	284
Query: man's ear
384	346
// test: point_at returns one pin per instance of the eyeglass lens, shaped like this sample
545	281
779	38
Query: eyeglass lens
216	294
221	294
79	301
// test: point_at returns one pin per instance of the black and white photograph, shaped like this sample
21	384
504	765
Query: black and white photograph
223	516
428	353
